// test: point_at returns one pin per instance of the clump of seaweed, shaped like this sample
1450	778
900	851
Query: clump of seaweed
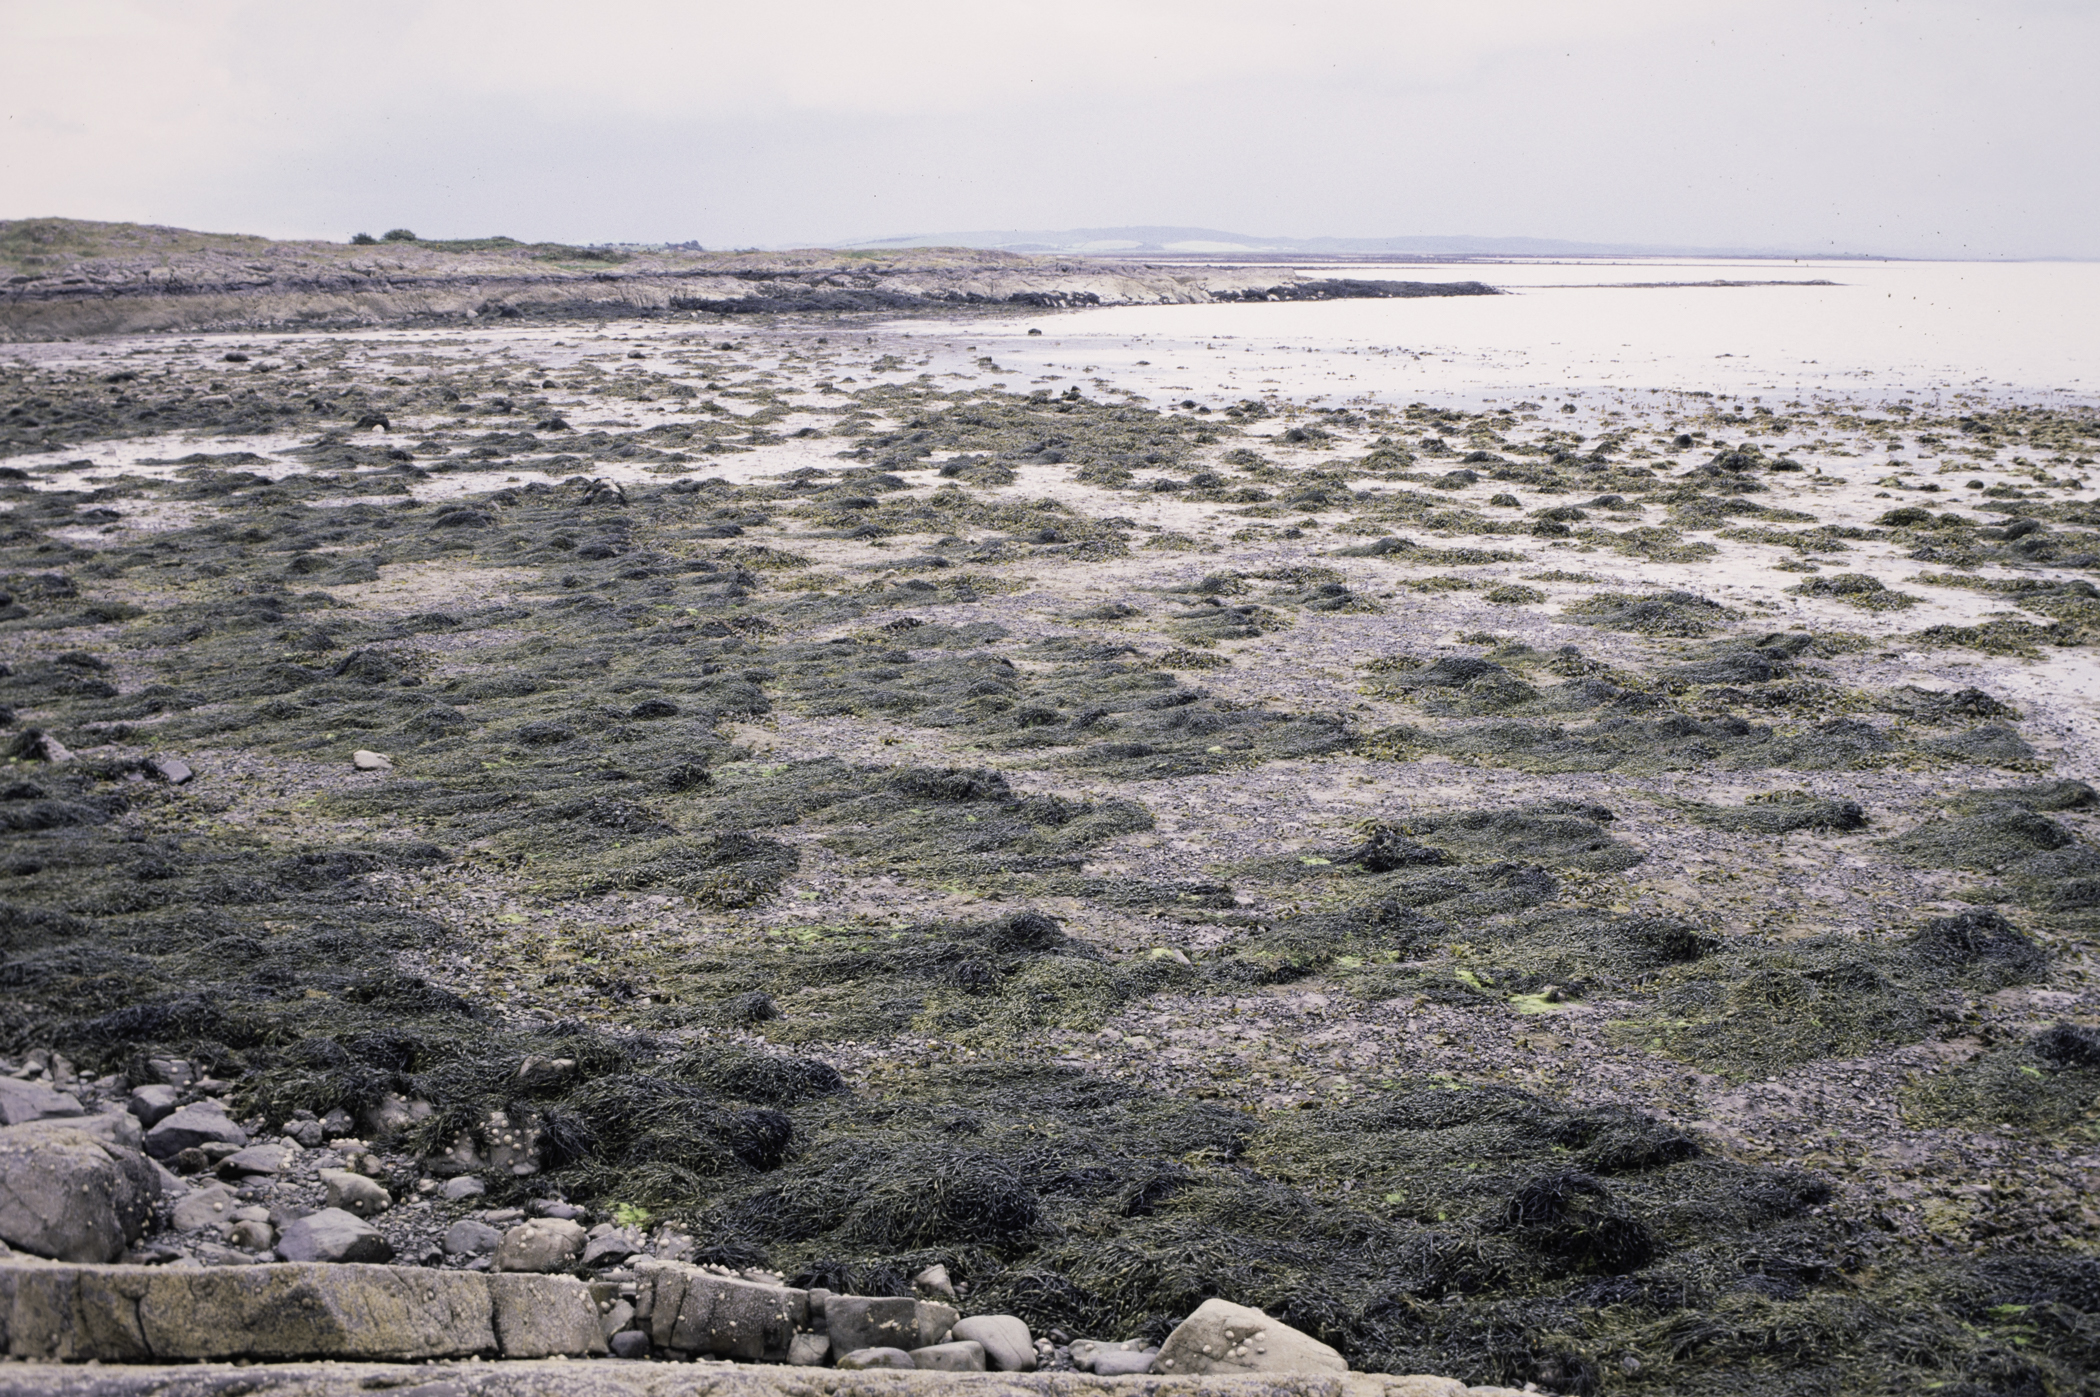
1856	589
1674	613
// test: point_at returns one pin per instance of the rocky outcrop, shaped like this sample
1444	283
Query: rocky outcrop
555	1378
143	1314
320	285
689	1310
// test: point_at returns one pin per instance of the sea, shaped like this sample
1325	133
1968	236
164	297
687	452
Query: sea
1812	331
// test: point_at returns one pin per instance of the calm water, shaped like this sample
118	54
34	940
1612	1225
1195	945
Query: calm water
1884	330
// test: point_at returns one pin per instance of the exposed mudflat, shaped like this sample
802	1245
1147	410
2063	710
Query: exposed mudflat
1598	892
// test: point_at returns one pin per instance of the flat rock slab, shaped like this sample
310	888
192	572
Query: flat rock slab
559	1378
147	1314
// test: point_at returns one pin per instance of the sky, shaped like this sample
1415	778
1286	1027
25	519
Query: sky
1901	127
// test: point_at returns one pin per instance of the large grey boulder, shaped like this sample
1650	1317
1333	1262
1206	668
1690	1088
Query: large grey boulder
204	1123
702	1312
23	1102
333	1235
543	1244
136	1313
1007	1344
1221	1337
67	1195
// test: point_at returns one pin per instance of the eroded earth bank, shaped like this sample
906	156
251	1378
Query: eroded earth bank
1596	894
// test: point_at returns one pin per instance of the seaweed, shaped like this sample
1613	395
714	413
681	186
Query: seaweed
1674	613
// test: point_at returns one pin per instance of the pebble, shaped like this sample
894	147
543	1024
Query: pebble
371	761
465	1186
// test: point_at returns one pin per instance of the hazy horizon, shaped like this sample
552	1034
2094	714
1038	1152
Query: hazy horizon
1923	129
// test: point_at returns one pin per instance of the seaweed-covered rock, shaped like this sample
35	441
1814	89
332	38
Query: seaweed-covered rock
1675	613
2041	795
1992	839
1981	941
2067	1045
1783	812
1386	848
1993	744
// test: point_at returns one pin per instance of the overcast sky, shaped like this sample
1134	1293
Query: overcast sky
1911	127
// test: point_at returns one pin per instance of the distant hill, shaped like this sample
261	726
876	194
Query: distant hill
1153	241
